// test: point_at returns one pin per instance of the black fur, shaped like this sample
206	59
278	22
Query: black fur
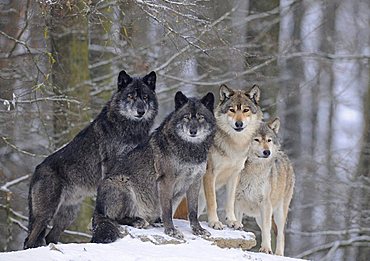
150	181
67	176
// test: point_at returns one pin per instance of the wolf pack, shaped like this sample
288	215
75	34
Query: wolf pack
140	177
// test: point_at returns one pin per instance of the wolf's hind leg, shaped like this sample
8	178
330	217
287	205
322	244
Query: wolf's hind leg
64	217
36	237
44	198
280	218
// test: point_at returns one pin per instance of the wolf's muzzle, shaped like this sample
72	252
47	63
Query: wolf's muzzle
140	113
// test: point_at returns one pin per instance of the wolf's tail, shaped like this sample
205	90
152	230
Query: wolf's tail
105	231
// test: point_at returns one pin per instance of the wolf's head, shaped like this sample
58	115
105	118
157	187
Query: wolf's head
193	118
265	142
238	108
135	98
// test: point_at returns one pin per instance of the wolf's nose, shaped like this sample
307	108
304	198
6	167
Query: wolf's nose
140	113
239	124
266	153
193	132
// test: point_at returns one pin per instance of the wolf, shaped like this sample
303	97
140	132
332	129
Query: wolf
66	177
266	185
146	186
238	116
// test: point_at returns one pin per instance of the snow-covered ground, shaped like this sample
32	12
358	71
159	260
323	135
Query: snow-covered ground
157	247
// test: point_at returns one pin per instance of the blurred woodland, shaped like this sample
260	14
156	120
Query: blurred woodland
59	62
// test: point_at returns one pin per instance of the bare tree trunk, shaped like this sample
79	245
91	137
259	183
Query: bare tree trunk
70	75
289	110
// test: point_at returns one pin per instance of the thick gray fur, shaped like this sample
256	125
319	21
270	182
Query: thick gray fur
147	185
67	176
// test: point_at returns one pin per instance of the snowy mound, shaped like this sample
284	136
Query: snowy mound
153	244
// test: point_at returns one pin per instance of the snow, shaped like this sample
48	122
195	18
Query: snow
131	247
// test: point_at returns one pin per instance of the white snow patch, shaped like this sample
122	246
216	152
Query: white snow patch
132	248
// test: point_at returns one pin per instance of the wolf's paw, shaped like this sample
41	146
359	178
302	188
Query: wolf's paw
140	223
200	231
266	250
234	224
216	225
173	232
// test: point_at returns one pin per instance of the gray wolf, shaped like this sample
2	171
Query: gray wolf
147	185
266	185
238	116
67	176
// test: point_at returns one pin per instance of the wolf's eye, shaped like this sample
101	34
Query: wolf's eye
232	110
186	117
269	140
246	110
200	117
130	96
145	97
256	140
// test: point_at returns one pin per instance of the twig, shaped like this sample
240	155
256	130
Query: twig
23	29
219	82
22	151
27	48
337	244
322	55
223	17
54	98
13	182
328	232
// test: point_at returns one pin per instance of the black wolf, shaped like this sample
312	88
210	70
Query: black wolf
147	185
67	176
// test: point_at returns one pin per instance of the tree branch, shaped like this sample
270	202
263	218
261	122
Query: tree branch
336	244
22	151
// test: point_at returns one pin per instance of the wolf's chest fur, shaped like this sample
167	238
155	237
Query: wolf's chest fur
185	175
255	186
229	153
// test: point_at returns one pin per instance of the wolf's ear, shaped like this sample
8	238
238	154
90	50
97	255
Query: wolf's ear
150	80
208	100
225	92
180	100
123	80
254	94
274	124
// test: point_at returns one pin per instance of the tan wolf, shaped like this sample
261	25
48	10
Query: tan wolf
238	116
266	185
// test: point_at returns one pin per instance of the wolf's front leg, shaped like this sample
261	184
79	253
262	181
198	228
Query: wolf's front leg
264	222
165	190
231	220
192	198
209	183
